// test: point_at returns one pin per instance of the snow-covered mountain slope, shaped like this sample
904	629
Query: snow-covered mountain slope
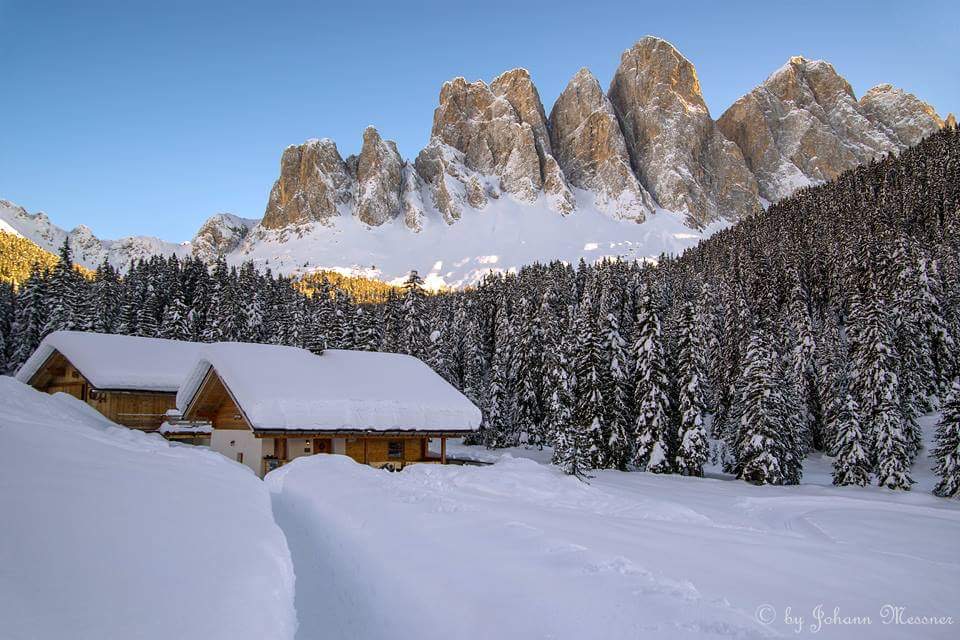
222	230
519	550
88	250
220	234
112	533
502	237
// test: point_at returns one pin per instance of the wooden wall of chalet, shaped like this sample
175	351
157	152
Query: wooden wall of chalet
377	449
137	410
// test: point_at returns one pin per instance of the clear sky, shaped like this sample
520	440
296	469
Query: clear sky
138	117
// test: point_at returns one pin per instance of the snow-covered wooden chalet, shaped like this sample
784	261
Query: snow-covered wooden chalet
131	380
269	404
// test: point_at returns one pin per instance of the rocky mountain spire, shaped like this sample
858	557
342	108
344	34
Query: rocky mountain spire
649	142
805	125
501	132
519	90
902	116
314	184
679	154
589	145
379	179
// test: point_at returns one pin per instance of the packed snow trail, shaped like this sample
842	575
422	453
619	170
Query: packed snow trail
517	550
109	533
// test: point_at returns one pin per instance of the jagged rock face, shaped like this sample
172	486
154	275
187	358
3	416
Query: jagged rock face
676	149
485	128
411	198
901	115
490	130
379	179
519	90
588	143
804	125
452	183
220	234
314	184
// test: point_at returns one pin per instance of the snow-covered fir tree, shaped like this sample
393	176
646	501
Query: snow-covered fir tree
877	388
655	425
763	448
946	448
852	463
693	447
414	332
588	365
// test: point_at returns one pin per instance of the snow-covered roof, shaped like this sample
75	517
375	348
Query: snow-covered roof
286	388
118	362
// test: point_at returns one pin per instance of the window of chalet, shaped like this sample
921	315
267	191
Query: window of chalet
395	449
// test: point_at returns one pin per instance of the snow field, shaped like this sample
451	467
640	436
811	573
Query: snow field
109	533
518	550
112	533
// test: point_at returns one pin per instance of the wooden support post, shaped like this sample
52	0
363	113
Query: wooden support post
443	450
281	452
366	460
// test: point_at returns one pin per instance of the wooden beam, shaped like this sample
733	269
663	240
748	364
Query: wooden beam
443	450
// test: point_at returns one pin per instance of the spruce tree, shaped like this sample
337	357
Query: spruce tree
946	448
851	466
414	333
589	407
175	325
760	448
655	419
617	392
62	293
876	385
571	451
693	448
30	318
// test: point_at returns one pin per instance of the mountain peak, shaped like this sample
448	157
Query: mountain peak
675	148
803	125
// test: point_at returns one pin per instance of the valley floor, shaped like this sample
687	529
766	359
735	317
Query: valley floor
108	533
518	550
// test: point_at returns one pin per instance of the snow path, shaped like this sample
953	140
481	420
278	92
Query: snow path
518	550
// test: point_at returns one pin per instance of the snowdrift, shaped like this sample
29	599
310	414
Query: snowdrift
517	550
108	533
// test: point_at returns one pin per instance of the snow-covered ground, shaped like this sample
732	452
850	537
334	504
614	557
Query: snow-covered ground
112	534
109	533
502	237
517	550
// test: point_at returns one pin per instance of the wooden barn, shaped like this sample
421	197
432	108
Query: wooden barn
131	380
270	404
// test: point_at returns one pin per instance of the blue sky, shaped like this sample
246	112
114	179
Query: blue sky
147	117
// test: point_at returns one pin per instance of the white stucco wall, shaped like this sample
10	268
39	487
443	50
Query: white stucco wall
230	442
297	447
